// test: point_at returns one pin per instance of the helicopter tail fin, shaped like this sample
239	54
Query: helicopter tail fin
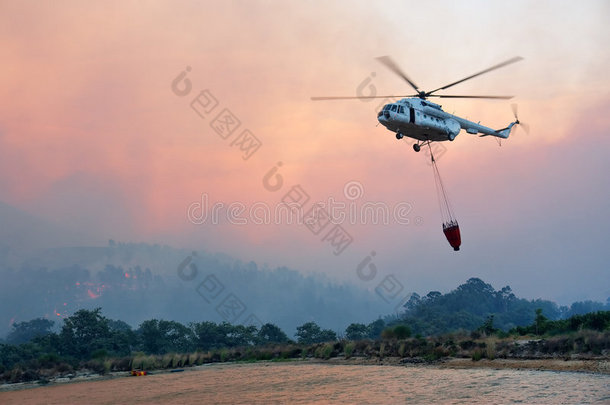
505	132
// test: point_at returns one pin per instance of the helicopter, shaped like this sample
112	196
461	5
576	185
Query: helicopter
416	117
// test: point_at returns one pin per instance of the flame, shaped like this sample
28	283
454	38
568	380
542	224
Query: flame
93	295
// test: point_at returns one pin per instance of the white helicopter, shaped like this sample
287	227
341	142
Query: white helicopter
417	118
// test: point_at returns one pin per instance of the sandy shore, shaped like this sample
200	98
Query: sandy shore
600	366
591	366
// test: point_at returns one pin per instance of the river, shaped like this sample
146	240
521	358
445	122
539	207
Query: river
307	383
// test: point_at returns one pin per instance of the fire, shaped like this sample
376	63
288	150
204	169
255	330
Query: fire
93	295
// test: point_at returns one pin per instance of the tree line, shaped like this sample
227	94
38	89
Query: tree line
89	335
87	339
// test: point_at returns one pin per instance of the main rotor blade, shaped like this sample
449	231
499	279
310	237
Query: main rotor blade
357	97
489	97
498	66
390	64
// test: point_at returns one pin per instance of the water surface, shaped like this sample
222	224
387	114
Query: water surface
307	383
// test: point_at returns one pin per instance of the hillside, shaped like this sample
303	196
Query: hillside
470	304
135	282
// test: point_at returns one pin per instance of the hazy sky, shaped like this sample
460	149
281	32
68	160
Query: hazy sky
93	136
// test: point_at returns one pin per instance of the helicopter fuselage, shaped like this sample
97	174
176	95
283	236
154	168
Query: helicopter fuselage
426	121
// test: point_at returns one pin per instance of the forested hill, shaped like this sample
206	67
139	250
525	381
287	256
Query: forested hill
137	282
469	306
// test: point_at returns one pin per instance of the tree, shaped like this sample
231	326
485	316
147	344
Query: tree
488	326
207	335
25	331
540	322
118	325
402	331
414	301
505	296
326	335
270	333
375	328
239	335
432	296
585	307
310	332
85	332
356	331
150	337
159	336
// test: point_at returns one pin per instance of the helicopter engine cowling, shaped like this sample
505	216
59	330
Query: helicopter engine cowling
453	128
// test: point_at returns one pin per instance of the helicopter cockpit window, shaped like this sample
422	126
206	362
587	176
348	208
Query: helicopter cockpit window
394	108
401	109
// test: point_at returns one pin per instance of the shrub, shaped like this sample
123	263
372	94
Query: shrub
291	352
324	351
490	349
30	375
361	345
388	334
121	364
48	360
402	331
224	355
96	366
147	363
402	349
99	354
437	353
349	349
64	368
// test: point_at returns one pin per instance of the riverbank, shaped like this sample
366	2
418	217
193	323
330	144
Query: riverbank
598	366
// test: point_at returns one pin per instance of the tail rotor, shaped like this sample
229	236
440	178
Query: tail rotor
523	125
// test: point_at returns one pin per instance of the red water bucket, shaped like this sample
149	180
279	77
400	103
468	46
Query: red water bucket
452	233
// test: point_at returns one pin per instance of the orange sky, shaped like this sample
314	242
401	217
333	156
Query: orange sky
91	134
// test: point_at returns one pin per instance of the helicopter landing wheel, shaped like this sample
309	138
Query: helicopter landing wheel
399	135
416	147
